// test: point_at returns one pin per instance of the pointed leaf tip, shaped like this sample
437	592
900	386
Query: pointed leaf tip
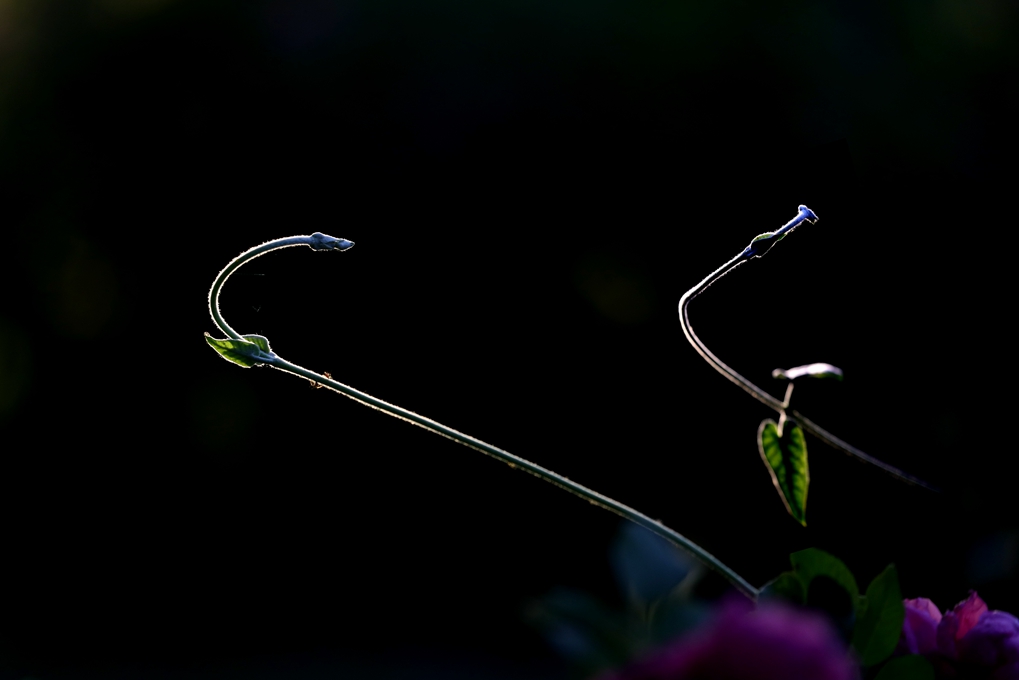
260	340
252	351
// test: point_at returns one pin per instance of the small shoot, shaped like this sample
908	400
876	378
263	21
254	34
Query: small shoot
808	371
251	350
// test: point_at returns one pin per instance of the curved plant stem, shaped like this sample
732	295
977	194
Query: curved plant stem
321	242
759	394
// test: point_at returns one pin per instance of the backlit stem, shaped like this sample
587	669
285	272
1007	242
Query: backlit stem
755	391
322	242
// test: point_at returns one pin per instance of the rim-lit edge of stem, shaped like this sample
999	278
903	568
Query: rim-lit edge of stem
321	242
805	214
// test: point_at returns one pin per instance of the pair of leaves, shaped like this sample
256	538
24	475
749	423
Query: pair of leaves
253	350
785	454
873	621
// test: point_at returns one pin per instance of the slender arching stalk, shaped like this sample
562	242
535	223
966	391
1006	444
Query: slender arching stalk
757	248
259	354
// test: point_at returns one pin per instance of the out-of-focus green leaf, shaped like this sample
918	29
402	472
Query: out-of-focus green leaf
785	456
912	667
251	351
808	371
878	629
811	563
787	586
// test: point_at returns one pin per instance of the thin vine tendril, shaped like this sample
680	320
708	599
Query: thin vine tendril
322	242
757	248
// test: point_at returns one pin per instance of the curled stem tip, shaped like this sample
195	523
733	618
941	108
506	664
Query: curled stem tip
757	248
320	241
252	350
761	244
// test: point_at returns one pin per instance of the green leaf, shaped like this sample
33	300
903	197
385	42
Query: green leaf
252	351
261	341
912	667
878	630
786	459
811	563
787	586
808	371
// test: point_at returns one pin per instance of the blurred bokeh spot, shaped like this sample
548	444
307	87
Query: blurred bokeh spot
223	413
619	292
131	7
947	430
296	28
15	365
77	282
993	558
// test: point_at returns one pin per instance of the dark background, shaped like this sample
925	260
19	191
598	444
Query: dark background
531	187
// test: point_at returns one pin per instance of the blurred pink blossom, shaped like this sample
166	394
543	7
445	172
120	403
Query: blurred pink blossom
968	641
920	628
774	642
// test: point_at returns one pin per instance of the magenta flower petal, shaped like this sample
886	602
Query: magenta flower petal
919	630
992	643
969	612
771	643
956	623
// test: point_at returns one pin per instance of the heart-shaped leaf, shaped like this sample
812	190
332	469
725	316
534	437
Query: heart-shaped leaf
253	350
785	455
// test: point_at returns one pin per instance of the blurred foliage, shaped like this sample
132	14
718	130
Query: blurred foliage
822	582
657	583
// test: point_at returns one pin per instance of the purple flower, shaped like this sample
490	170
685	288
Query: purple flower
774	642
967	641
920	628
